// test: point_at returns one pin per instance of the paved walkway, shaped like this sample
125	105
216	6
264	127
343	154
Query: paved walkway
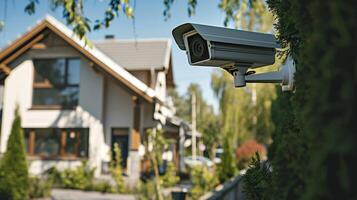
60	194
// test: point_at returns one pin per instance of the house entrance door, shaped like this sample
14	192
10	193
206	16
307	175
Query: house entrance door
121	137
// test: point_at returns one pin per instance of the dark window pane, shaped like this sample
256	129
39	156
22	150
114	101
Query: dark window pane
71	142
44	96
83	142
76	142
65	97
69	97
27	136
62	91
73	71
47	142
51	69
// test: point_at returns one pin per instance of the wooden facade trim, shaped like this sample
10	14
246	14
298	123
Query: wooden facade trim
135	133
4	68
31	143
17	43
23	49
63	143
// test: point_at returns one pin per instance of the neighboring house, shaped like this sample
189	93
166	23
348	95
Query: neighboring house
76	101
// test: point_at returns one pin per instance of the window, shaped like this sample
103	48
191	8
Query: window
56	83
56	142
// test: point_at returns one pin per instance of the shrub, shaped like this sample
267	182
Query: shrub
202	180
170	178
147	190
314	151
40	187
101	186
256	180
79	178
116	170
246	152
14	179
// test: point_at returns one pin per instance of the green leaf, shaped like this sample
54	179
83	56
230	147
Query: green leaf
2	25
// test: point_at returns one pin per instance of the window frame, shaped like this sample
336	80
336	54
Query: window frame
47	85
62	154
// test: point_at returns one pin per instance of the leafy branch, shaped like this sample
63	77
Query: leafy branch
73	12
113	11
242	12
191	8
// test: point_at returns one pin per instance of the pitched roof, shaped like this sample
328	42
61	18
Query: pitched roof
137	54
28	39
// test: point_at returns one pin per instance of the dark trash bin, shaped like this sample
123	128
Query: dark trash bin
178	195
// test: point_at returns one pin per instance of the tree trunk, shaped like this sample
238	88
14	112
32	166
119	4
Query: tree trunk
157	176
213	151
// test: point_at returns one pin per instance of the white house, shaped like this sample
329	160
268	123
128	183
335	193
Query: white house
76	101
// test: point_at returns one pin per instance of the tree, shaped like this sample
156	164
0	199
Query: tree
211	137
227	168
207	120
155	146
313	154
14	179
321	36
180	103
170	178
246	112
203	180
256	180
234	105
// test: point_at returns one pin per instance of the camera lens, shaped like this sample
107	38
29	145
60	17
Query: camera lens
198	48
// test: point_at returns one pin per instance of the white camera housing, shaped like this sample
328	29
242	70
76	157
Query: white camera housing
233	50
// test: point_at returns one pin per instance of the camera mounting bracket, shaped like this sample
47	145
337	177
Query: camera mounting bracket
285	76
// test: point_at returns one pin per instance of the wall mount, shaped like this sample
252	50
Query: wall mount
285	76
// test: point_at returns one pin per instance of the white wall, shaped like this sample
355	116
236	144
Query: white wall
118	106
88	114
160	87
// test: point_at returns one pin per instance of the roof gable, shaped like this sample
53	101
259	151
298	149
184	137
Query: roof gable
36	34
137	54
140	54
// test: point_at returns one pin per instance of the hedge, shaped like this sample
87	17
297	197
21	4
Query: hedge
314	152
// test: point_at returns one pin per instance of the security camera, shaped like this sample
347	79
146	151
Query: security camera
233	50
216	46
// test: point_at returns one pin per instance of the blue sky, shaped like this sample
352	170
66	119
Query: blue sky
149	23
